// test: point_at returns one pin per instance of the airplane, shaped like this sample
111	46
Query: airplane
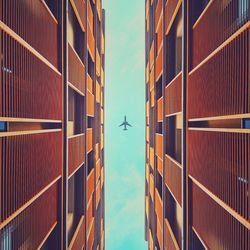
125	123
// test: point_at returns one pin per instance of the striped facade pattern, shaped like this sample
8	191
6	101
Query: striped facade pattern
197	187
52	124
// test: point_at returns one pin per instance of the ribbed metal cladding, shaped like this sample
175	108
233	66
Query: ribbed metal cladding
43	106
208	104
29	88
24	18
24	168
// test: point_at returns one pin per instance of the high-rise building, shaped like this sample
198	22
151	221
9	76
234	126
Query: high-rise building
52	124
197	124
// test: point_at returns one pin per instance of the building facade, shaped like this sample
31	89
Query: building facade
197	124
52	124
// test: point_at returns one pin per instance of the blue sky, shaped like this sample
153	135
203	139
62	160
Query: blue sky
124	150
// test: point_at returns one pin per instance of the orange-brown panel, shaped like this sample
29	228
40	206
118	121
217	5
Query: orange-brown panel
91	43
170	242
147	73
159	65
171	9
98	8
159	35
151	79
90	17
98	193
31	226
152	54
158	206
152	97
90	104
102	116
102	44
77	242
150	241
160	166
89	213
90	84
98	92
173	93
102	176
173	178
89	139
212	222
90	183
159	233
76	70
147	133
29	87
31	21
76	152
97	154
81	10
151	157
91	236
98	170
158	12
28	164
151	186
98	63
160	110
159	145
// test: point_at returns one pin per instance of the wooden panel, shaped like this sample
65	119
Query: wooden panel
159	233
23	16
91	184
31	93
77	242
169	239
151	186
89	139
28	164
98	170
76	152
91	237
152	54
171	10
90	104
158	12
98	193
227	156
216	227
159	65
173	178
220	20
225	81
151	157
29	228
76	70
89	84
151	79
160	166
173	96
158	207
159	145
80	9
98	63
160	110
91	43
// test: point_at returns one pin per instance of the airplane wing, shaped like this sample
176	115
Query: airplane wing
122	124
128	124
